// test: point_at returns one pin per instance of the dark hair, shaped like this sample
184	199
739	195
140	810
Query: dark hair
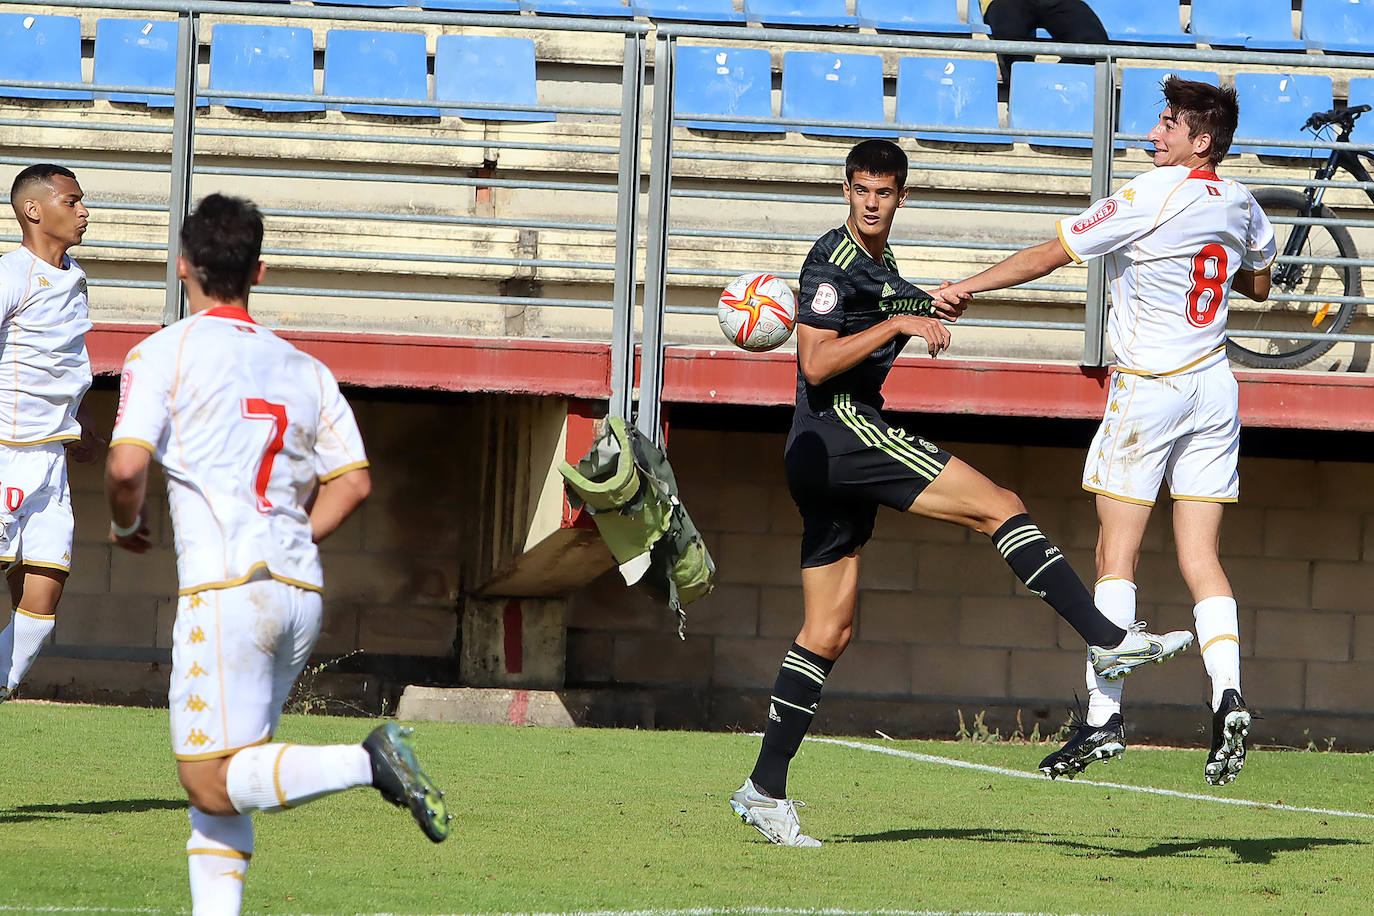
42	172
877	157
1206	109
222	241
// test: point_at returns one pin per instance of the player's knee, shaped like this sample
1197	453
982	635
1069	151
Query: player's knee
205	788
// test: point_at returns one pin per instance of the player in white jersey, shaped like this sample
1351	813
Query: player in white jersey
263	459
44	374
1177	240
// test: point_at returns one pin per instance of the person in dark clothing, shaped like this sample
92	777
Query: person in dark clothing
1066	20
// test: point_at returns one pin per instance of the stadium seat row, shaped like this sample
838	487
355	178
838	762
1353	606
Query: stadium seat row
1345	26
276	59
961	93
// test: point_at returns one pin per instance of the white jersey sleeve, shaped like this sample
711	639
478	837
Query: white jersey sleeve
145	386
1263	248
1107	225
338	443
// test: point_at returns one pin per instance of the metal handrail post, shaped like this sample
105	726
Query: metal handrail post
183	145
1100	185
632	94
656	243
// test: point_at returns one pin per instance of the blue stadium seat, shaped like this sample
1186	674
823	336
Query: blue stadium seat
136	52
608	8
1051	97
725	81
798	12
1274	106
1142	100
1152	22
488	69
384	65
975	19
820	85
957	92
471	6
42	49
688	10
256	58
914	15
1258	24
1362	93
1339	25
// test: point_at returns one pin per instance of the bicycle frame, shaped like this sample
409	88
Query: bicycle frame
1350	160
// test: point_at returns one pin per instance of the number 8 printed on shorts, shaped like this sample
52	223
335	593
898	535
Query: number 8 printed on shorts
1209	273
259	409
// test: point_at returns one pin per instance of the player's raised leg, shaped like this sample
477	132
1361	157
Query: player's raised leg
1101	735
962	495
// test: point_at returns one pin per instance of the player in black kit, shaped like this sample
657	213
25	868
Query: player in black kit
844	460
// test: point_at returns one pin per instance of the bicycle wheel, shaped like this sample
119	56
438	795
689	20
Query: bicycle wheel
1314	282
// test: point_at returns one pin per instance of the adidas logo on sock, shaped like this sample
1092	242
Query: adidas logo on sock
773	713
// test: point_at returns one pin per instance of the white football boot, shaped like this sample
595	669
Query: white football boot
775	818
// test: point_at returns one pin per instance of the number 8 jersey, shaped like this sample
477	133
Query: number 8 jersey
1174	238
244	426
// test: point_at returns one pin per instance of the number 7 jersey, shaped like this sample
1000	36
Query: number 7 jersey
1173	239
244	426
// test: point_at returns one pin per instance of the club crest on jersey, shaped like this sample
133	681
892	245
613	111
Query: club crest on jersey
1101	213
1211	189
825	300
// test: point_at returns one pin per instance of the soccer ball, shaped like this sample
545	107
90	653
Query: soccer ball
757	312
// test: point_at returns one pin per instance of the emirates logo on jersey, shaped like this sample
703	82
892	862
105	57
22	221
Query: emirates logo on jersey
1101	213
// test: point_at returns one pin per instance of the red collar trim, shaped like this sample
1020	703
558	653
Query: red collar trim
232	312
1203	174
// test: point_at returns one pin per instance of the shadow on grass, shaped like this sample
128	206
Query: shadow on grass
20	813
1251	851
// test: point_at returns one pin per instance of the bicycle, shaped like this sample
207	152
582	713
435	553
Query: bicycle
1326	289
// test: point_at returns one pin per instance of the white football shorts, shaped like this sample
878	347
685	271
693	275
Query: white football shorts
235	654
35	506
1181	428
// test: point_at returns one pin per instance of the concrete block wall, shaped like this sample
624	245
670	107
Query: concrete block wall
943	626
391	570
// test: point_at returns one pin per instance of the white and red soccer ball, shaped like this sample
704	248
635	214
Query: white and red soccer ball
757	312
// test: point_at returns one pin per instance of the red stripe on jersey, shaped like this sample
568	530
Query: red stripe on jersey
1203	174
234	312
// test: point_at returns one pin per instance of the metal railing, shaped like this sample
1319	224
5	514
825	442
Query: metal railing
1091	178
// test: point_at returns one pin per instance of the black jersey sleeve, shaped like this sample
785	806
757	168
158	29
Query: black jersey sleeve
824	288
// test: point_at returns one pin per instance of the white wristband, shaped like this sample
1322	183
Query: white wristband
125	532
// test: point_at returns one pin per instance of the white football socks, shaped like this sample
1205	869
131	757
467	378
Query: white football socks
217	855
1218	632
1115	598
29	632
273	777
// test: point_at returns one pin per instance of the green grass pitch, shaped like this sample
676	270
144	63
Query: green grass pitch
566	820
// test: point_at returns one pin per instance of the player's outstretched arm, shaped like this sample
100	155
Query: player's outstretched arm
824	354
126	486
1253	284
1026	265
336	500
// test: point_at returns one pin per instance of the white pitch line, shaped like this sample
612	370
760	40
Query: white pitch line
1021	774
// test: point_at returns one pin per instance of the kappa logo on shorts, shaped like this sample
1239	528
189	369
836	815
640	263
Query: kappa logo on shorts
197	635
825	300
196	704
197	738
1101	213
